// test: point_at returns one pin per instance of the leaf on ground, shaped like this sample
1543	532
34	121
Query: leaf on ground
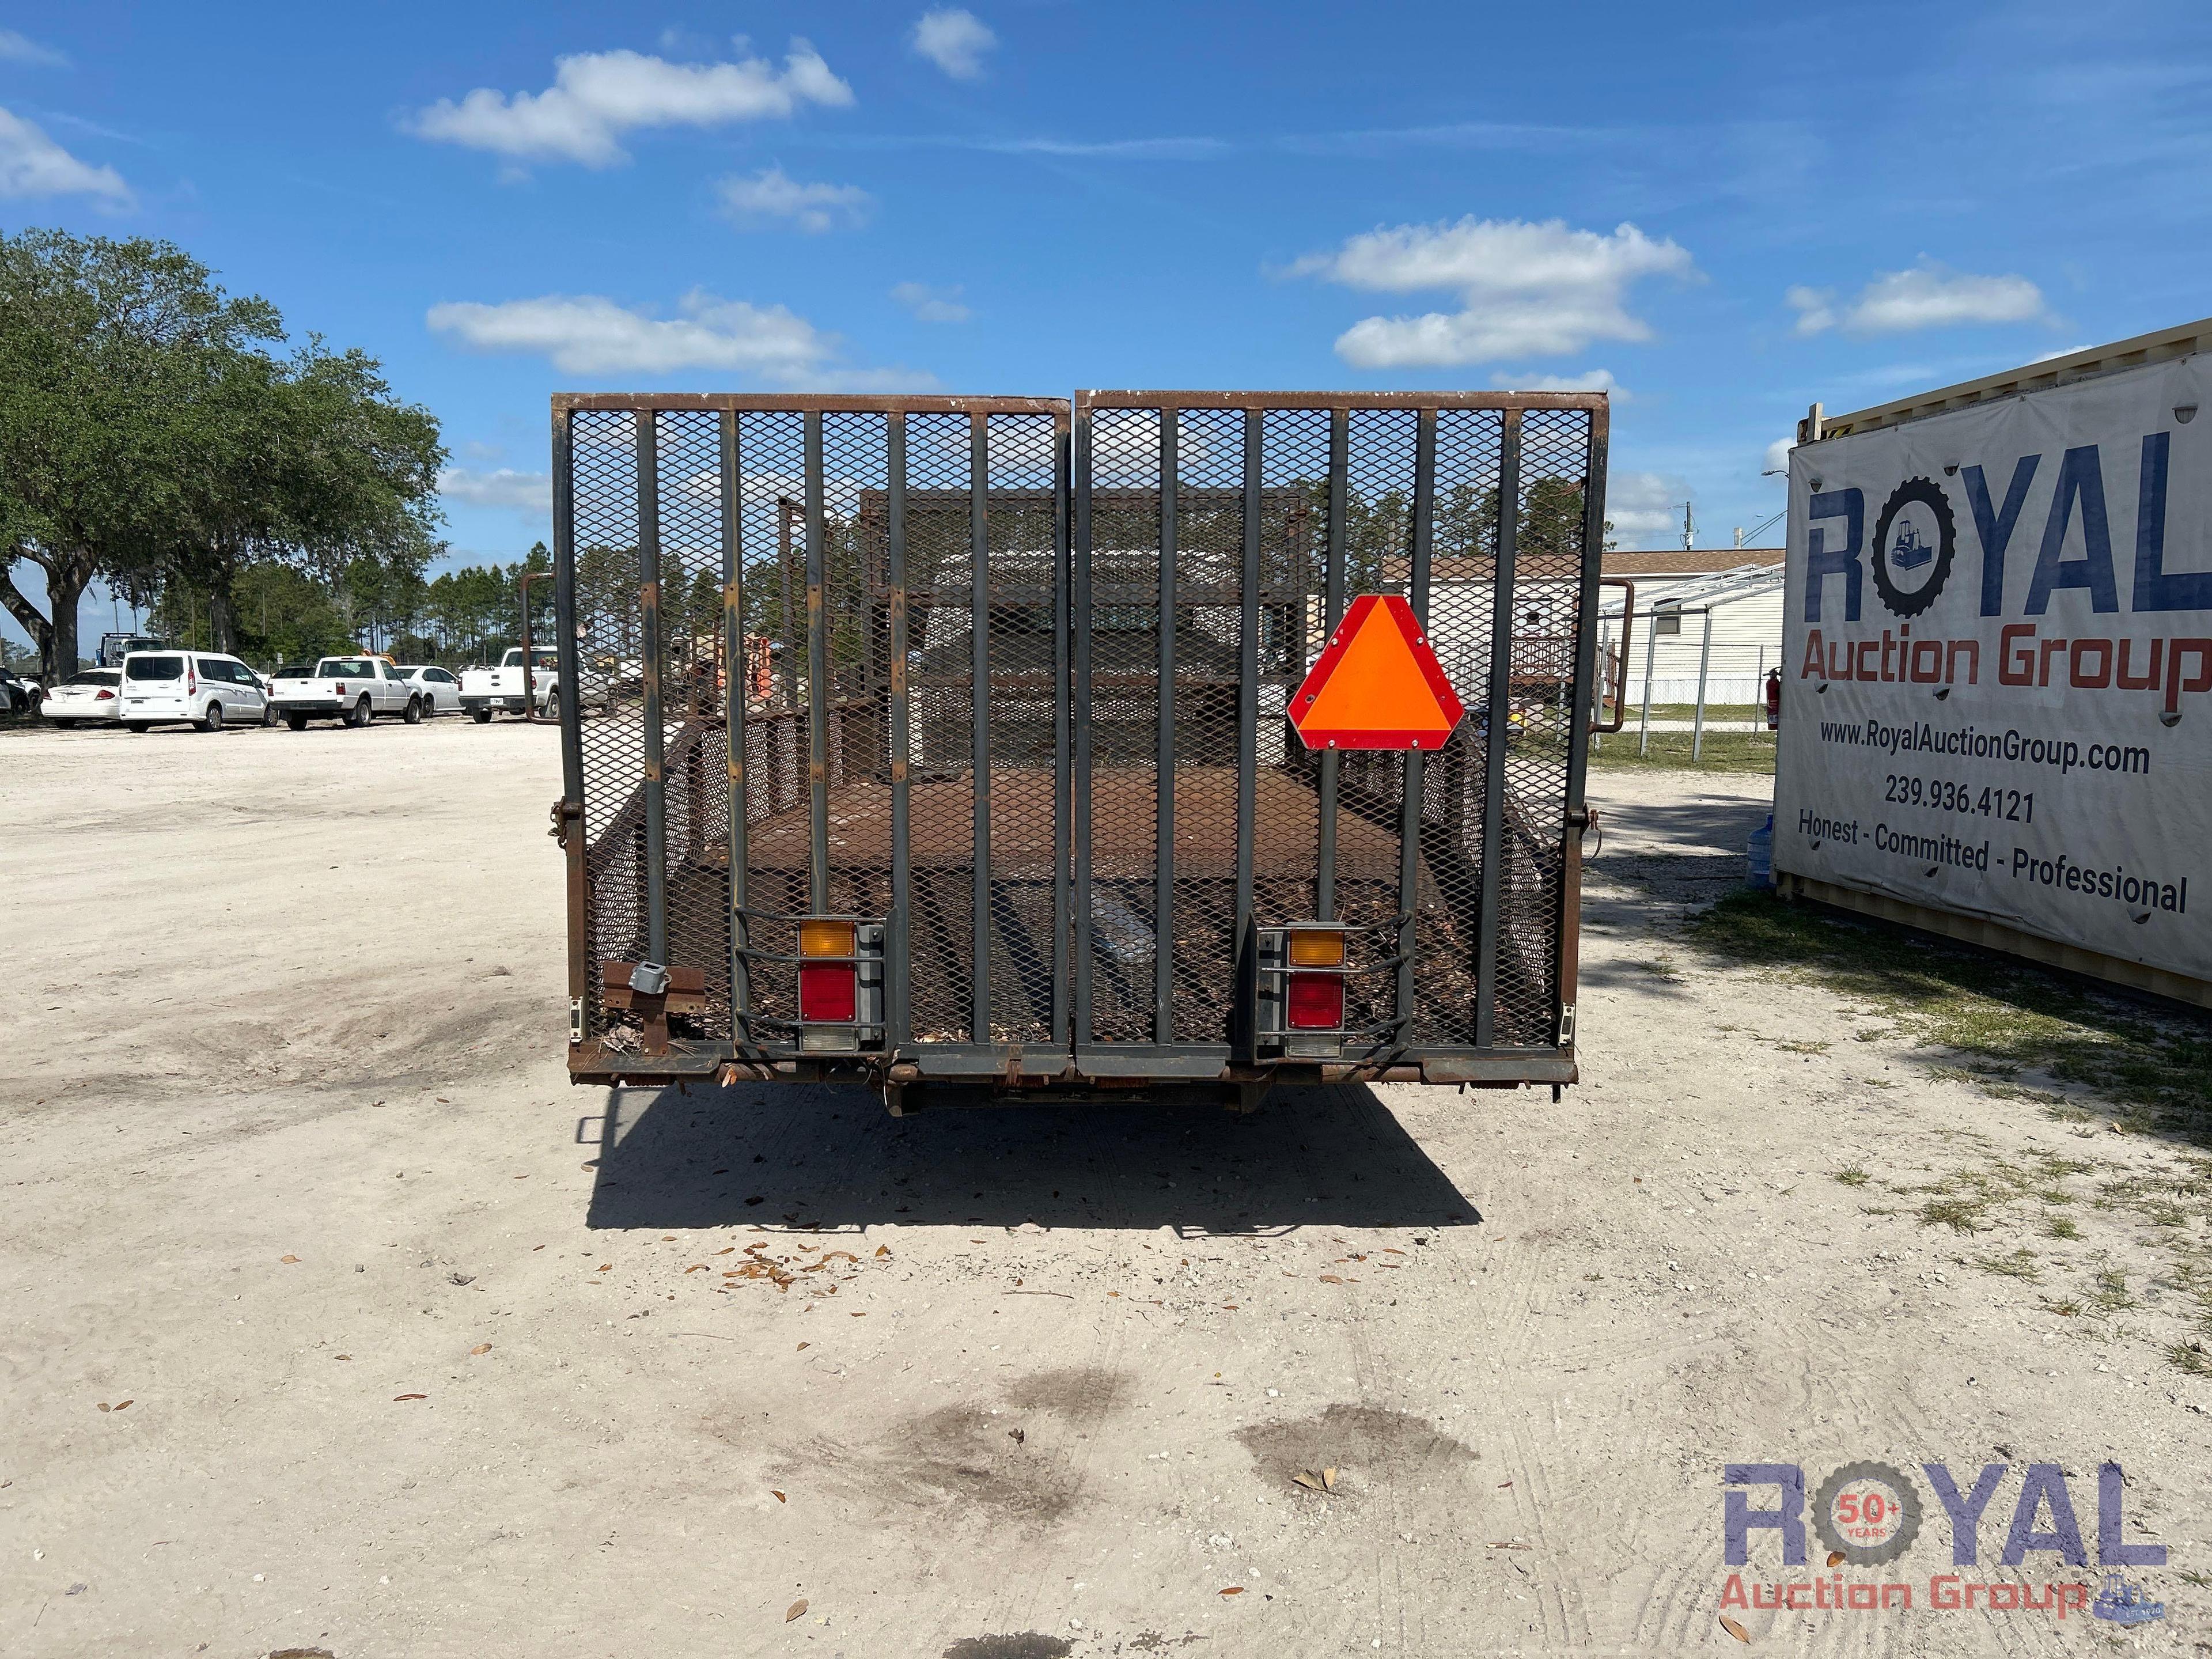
1234	1590
398	1397
859	1316
122	1404
480	1347
883	1249
796	1610
293	1260
1330	1278
606	1267
778	1496
105	1406
1328	1480
1735	1629
802	1347
1309	1481
696	1268
341	1356
1835	1557
1510	1544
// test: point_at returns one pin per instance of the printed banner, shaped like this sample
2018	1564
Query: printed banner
1997	663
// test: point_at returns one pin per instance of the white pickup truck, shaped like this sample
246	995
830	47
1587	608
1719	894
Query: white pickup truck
354	689
487	690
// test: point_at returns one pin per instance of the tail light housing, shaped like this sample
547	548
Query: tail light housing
841	984
103	696
1299	990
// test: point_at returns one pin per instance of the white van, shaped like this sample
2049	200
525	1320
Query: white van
204	689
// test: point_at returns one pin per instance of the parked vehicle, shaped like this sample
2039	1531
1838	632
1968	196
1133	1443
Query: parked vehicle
19	696
114	647
94	697
485	691
351	689
440	688
206	688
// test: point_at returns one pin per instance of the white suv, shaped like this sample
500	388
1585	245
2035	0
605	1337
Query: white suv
199	687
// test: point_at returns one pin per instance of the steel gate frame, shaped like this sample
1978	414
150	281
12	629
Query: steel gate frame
1073	1058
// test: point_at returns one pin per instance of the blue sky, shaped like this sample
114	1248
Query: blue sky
1725	212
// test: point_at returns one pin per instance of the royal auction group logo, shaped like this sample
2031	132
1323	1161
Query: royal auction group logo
1869	1513
1915	540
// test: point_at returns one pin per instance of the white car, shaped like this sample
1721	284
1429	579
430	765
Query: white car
440	688
204	689
92	698
352	690
485	690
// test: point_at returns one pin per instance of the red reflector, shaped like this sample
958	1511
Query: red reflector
1315	1002
826	993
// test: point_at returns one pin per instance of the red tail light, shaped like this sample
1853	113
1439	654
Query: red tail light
103	696
341	687
1315	1002
828	993
191	681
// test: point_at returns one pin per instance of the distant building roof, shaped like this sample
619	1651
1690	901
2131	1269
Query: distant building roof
1693	561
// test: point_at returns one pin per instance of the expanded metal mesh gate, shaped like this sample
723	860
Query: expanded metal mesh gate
1012	678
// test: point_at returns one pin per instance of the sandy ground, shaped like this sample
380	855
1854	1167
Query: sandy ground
426	1352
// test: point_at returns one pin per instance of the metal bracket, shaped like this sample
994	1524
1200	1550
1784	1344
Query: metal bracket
1567	1026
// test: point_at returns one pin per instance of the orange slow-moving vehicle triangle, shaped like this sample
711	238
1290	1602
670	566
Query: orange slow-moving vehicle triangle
1378	686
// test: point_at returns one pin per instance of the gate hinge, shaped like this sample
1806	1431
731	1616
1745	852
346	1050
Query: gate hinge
575	1020
1567	1026
564	813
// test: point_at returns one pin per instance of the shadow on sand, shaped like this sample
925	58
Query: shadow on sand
818	1157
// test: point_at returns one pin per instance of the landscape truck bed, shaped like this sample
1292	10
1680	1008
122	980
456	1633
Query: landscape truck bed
1020	812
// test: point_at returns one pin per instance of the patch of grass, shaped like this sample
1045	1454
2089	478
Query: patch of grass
2112	1294
2060	1226
1854	1177
2068	1308
2196	1360
2001	1018
2019	1264
1723	752
1662	967
1962	1215
1804	1047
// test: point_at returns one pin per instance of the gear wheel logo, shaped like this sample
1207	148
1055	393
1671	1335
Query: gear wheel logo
1915	540
1868	1512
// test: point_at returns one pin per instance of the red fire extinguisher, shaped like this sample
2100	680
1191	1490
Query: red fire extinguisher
1774	699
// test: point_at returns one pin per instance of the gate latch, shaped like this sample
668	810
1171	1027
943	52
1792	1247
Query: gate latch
1584	819
564	813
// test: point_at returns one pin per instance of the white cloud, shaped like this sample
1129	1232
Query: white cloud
1778	455
774	194
1526	290
529	493
955	41
931	305
590	335
1925	295
1597	379
1645	509
17	49
596	97
32	164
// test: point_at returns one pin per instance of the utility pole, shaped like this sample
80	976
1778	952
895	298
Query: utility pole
1689	528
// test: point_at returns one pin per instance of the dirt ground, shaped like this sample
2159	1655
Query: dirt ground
336	1320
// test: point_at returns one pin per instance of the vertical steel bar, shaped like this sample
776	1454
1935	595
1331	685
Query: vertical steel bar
733	717
1497	731
648	601
785	507
1704	663
1163	781
1079	671
1409	823
572	714
900	946
1578	734
979	474
1062	709
1339	470
818	679
1247	698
